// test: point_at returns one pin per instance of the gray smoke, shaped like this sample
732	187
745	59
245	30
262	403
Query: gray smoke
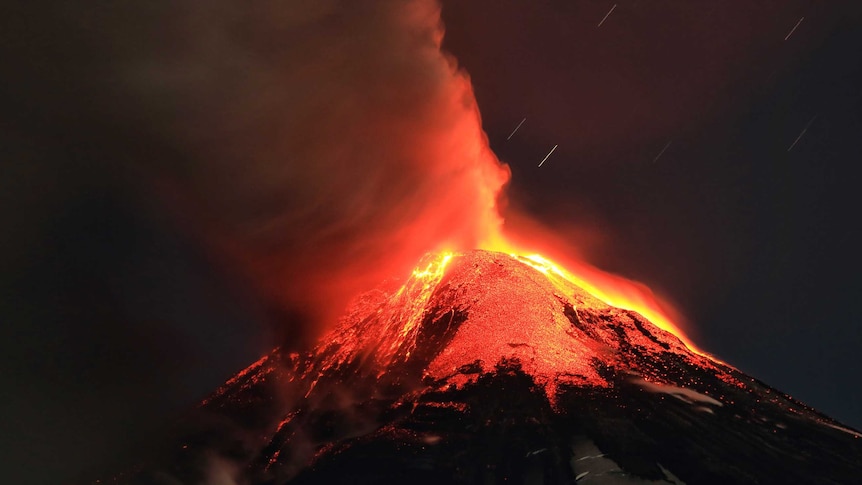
320	145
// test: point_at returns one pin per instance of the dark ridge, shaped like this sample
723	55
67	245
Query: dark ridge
504	434
572	315
636	318
435	333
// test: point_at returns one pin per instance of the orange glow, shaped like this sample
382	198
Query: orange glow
415	296
611	289
475	309
391	335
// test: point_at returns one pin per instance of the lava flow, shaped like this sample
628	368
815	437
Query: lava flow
609	288
523	308
613	290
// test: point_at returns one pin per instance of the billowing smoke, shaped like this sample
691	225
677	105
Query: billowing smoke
312	148
325	145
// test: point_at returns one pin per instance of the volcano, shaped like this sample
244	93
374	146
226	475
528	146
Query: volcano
490	368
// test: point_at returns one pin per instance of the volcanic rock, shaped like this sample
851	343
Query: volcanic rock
489	368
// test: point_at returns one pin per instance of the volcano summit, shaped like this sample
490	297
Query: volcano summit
490	368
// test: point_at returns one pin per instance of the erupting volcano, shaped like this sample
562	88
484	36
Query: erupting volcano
486	367
194	184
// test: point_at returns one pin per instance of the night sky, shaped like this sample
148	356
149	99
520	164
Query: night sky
700	150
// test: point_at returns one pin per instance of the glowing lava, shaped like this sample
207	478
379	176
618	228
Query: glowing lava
480	308
612	289
388	325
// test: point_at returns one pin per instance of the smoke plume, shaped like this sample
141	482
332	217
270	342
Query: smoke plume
324	146
311	148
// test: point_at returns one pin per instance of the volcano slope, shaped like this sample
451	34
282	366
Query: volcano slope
484	368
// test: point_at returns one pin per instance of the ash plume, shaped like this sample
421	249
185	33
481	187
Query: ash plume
333	143
173	164
348	143
318	146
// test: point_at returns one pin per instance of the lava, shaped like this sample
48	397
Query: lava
614	291
611	289
401	314
481	308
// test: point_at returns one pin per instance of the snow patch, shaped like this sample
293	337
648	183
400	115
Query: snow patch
681	393
842	428
590	465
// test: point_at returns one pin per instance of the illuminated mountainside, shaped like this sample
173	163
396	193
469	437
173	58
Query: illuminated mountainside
488	368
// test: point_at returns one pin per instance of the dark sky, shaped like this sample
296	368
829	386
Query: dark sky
115	319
